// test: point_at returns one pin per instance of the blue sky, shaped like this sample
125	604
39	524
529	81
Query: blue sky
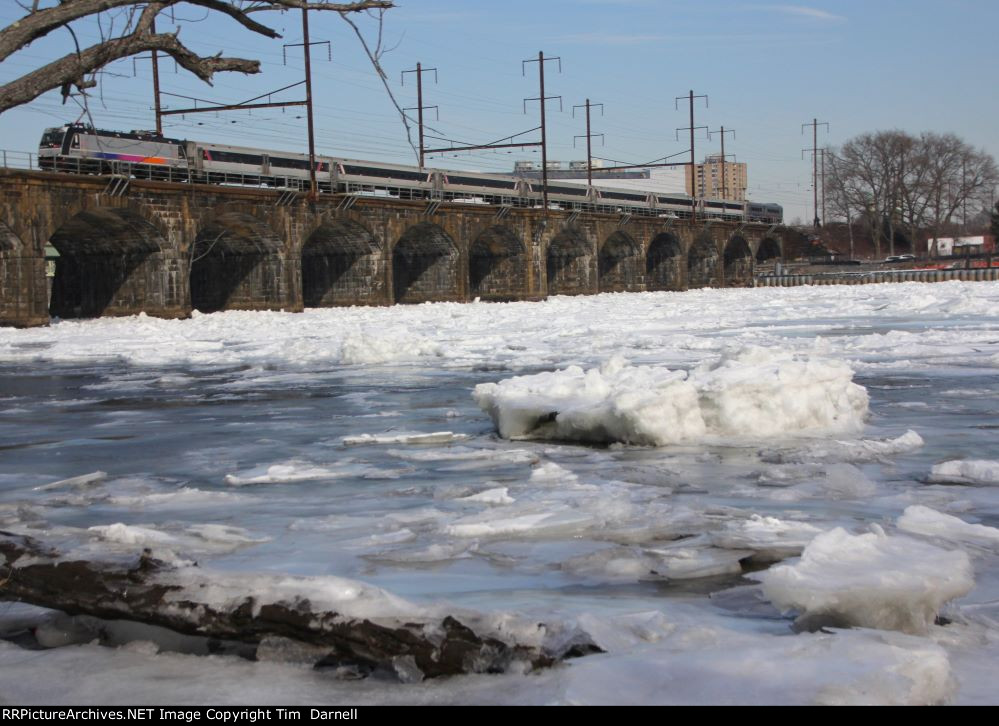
766	67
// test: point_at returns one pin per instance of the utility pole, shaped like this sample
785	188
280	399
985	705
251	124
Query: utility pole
724	158
815	165
823	152
964	193
156	83
589	138
544	126
313	187
420	108
693	163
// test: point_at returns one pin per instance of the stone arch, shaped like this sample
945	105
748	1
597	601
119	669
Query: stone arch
112	262
702	262
497	265
341	265
424	266
620	264
664	263
768	250
570	264
738	262
236	263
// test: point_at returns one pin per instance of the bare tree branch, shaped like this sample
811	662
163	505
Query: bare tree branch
375	57
71	71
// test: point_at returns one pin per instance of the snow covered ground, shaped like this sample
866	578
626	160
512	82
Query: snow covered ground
783	495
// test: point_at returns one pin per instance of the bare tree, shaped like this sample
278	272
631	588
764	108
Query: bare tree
865	175
896	181
959	175
77	69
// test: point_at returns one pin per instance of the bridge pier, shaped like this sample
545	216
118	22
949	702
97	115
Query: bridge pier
23	289
571	263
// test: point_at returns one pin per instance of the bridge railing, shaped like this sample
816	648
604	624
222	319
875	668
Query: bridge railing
18	159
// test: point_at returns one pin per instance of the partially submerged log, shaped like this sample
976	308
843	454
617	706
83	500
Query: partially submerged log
251	609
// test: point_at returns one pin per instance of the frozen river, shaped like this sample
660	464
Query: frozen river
857	423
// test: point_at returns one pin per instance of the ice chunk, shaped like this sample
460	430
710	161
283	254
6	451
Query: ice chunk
293	471
855	451
550	473
769	537
923	520
869	580
76	482
499	495
364	348
131	535
524	523
440	437
967	471
753	393
846	481
198	538
679	562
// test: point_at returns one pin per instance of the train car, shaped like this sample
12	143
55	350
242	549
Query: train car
568	195
765	213
396	180
226	164
79	148
490	188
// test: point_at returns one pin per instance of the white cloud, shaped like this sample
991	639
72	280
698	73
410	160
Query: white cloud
803	11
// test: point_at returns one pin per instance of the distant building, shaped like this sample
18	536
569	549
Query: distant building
706	179
960	246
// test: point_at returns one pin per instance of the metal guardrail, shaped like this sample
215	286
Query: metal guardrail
18	160
869	278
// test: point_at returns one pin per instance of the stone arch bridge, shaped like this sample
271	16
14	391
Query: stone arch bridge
167	249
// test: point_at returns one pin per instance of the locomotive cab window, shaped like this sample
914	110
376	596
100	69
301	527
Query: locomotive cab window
52	138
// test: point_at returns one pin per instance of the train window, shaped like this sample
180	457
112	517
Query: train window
290	164
466	181
75	144
52	138
384	173
568	191
233	157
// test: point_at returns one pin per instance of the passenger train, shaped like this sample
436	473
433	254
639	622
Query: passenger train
83	149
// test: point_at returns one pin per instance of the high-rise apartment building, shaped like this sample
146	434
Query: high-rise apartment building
707	179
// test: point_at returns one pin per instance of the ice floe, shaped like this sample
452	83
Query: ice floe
869	580
752	393
967	471
923	520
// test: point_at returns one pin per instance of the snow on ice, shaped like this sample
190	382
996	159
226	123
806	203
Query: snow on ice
752	393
